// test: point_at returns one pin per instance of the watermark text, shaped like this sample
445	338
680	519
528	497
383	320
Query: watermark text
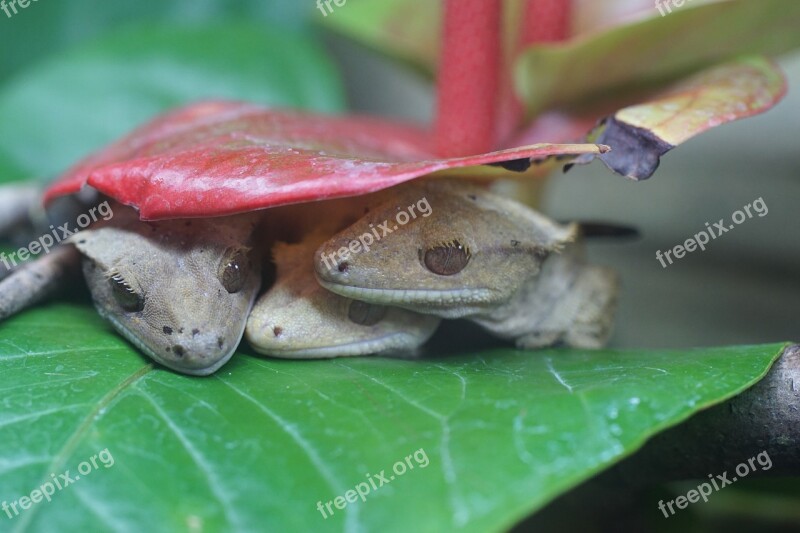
699	240
367	239
361	490
665	6
326	7
9	7
47	489
704	490
57	234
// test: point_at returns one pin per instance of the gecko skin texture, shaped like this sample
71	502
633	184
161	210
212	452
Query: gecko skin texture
183	291
180	290
482	257
299	319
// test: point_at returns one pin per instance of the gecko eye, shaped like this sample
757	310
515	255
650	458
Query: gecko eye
232	272
447	259
125	295
365	314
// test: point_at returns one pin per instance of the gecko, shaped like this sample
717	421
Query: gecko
482	257
297	318
179	290
182	290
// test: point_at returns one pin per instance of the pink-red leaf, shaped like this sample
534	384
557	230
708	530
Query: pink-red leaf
219	158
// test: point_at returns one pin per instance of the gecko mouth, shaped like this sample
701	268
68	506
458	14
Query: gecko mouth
432	298
387	343
192	370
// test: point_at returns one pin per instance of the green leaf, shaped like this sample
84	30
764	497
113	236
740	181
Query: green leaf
9	171
41	28
654	51
84	98
256	446
406	29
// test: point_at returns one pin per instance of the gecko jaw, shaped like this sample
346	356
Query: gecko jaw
136	341
386	343
439	299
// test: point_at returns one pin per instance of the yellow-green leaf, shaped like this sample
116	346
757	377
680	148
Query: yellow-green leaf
652	52
639	135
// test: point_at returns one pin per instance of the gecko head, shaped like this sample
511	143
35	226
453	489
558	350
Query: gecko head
439	247
299	319
179	290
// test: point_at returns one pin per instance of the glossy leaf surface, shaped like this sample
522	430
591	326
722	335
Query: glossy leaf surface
256	446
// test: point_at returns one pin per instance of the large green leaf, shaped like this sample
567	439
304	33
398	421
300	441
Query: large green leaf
406	29
255	447
43	27
85	98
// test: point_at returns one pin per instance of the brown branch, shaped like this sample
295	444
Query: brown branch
765	417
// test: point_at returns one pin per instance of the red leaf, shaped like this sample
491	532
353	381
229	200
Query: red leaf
219	158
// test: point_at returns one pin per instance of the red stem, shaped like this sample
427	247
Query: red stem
546	21
476	106
469	78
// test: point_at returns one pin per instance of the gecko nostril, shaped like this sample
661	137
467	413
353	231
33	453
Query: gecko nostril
343	266
179	350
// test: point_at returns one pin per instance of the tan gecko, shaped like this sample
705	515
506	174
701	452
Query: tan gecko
297	318
182	290
478	256
179	290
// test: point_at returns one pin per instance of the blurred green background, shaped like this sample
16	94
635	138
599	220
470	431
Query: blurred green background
63	93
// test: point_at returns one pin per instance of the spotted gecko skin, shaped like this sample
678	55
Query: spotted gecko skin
180	290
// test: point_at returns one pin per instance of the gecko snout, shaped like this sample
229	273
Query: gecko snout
195	351
329	264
